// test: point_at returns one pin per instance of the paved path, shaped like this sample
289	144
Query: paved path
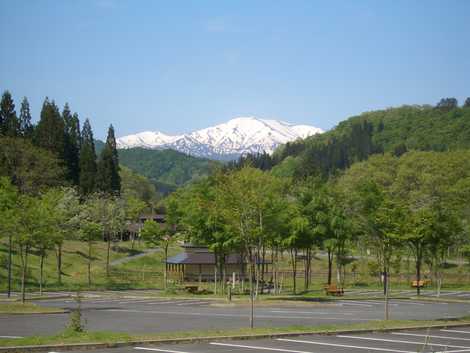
133	257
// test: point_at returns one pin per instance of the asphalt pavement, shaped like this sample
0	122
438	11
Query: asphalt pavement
450	340
143	314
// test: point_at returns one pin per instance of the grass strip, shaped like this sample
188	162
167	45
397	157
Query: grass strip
27	308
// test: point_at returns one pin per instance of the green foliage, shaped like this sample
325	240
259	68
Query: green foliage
9	125
419	199
76	324
25	125
87	162
153	233
50	130
166	166
392	130
30	168
72	144
108	179
137	186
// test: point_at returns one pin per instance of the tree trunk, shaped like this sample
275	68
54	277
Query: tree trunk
59	263
89	263
224	280
10	249
165	273
41	272
107	254
263	268
330	265
24	261
257	257
418	273
132	240
252	304
386	286
293	253
307	269
274	272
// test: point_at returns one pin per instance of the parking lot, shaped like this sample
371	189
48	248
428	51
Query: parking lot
451	340
132	313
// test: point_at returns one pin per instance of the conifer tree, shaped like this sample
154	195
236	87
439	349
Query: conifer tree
25	125
71	144
108	179
50	131
87	161
467	103
8	120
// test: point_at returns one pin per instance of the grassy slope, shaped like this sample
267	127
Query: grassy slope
147	271
417	127
74	265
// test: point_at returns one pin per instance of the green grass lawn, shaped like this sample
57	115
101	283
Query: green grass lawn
74	266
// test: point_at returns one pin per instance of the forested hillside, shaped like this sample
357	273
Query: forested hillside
167	169
419	127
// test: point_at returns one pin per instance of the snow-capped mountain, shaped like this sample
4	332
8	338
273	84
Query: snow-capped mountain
225	141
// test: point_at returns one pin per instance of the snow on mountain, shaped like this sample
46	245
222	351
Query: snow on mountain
225	141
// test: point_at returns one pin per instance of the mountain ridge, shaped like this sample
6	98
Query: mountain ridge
226	141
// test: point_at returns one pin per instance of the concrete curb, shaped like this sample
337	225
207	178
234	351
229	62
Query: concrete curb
91	346
45	313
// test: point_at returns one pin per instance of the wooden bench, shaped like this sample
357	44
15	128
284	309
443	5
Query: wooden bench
191	289
332	289
421	283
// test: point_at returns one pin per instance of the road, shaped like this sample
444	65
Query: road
143	314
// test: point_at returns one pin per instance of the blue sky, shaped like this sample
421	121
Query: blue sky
176	66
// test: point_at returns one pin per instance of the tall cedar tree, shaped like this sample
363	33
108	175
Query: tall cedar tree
50	131
467	103
71	145
25	125
8	120
108	179
87	161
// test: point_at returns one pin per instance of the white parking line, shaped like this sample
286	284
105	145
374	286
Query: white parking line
158	350
192	303
399	341
455	331
407	302
257	347
303	312
446	294
341	303
11	336
431	336
344	346
230	315
136	301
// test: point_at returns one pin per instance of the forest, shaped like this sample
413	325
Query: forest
386	185
55	188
